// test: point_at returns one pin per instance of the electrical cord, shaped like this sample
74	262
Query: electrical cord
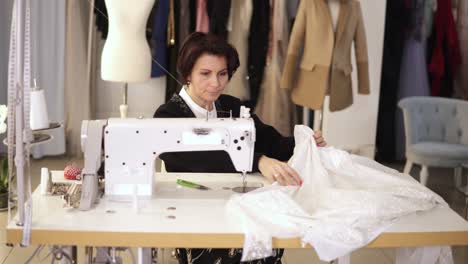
36	251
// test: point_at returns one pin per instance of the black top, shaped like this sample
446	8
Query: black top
268	142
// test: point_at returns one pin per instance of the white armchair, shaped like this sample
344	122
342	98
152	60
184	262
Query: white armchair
436	132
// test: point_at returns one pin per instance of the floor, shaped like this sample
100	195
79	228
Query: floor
440	180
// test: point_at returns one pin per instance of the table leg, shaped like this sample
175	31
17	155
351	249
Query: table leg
346	259
71	251
144	255
102	255
466	208
89	255
113	255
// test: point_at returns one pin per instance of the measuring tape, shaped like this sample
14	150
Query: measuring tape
19	95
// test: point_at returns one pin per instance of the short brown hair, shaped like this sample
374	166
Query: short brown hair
199	43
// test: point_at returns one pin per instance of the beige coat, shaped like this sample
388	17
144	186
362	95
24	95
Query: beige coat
326	60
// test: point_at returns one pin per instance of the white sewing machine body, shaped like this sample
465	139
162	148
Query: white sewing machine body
132	145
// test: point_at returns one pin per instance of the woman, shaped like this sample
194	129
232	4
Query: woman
207	63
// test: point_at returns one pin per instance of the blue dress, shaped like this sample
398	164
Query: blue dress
158	39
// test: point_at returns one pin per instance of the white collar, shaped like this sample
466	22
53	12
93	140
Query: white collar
199	111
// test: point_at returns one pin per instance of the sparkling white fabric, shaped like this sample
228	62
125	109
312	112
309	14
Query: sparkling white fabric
345	201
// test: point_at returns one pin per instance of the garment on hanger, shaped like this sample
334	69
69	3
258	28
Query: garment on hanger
158	39
344	203
446	53
171	34
193	15
414	77
292	6
100	11
413	81
334	9
172	85
429	9
183	20
326	53
258	47
238	26
462	28
218	12
274	105
416	27
396	20
203	22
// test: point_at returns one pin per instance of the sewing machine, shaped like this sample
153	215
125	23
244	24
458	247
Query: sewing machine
132	145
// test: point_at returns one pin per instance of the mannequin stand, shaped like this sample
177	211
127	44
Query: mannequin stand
305	116
318	118
124	106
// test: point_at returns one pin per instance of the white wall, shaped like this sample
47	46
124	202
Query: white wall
143	98
47	58
5	25
48	63
355	127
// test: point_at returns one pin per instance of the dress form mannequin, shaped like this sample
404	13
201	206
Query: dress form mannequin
126	56
334	7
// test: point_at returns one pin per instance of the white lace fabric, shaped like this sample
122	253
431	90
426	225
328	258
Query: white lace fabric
345	201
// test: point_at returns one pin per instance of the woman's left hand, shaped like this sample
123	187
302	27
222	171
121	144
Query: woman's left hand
319	139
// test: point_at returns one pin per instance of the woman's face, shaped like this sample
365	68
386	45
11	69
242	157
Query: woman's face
208	79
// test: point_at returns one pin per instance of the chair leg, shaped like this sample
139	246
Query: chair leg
458	177
466	208
408	166
424	175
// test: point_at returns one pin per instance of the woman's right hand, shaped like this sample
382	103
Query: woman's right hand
275	170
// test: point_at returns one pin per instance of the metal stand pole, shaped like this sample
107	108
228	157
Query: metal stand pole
19	156
124	106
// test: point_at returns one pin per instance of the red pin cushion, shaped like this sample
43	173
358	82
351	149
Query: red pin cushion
72	172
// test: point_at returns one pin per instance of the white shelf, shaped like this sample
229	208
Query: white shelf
37	140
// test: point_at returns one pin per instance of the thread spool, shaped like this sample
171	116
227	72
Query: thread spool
39	119
45	181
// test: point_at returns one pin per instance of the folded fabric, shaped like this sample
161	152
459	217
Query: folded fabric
345	201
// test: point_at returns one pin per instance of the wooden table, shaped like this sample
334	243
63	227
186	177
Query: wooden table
198	220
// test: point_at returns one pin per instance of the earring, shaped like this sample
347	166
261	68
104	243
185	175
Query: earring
188	83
